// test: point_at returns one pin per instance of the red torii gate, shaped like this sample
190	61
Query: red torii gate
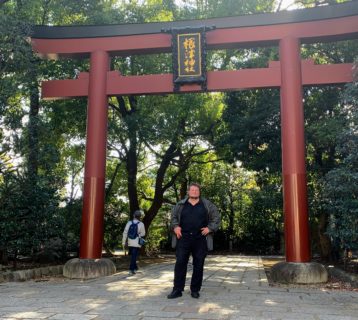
285	29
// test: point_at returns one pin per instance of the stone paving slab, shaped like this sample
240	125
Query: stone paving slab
235	287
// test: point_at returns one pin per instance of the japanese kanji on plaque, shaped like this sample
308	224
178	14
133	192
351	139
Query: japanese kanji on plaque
189	57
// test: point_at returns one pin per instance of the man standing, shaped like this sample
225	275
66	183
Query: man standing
193	220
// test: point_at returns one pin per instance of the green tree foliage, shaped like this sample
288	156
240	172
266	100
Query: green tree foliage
34	174
326	116
262	222
29	215
340	191
253	129
15	55
204	9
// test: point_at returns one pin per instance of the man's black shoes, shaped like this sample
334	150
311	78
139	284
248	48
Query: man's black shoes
174	294
177	293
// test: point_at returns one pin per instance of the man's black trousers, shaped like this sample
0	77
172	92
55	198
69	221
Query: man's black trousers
197	247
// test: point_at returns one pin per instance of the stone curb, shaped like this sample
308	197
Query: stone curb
29	274
24	275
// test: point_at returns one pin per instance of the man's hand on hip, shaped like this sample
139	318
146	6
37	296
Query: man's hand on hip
177	231
205	231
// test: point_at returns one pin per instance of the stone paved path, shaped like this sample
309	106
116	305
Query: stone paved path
235	287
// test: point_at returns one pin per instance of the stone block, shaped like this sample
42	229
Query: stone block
88	268
37	273
299	273
45	271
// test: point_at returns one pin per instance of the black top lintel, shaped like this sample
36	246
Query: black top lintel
300	15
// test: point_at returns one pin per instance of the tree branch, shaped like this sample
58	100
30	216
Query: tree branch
133	103
183	165
209	161
45	12
121	106
151	149
147	167
202	152
113	106
174	177
110	186
166	200
279	6
120	153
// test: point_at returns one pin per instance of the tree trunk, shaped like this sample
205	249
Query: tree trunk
231	220
159	188
110	186
324	240
132	169
3	256
183	188
33	141
131	157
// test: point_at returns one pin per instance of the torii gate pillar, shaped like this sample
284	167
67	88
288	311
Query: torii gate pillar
95	163
297	268
90	264
293	153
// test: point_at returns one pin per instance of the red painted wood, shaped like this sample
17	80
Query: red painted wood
293	154
217	81
323	30
313	31
95	163
326	73
124	45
